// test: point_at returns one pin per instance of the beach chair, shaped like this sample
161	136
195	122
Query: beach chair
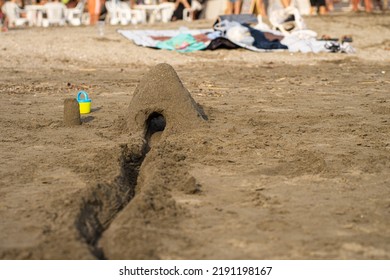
166	11
55	12
74	15
112	12
120	12
12	11
131	15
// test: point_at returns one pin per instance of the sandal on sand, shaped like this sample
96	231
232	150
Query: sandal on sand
346	38
327	38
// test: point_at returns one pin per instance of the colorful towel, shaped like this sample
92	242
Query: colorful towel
182	43
150	38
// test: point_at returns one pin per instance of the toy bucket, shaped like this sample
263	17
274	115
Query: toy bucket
85	103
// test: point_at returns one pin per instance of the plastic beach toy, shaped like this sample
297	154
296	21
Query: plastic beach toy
85	103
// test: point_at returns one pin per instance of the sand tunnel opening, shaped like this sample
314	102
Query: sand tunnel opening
155	125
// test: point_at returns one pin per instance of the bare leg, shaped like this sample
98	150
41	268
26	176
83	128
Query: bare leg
355	5
184	2
237	7
286	3
5	24
229	8
329	5
313	10
368	6
261	8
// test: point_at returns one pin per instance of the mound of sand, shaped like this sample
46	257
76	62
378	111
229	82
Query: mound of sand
161	102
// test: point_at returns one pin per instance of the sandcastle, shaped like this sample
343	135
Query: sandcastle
71	112
162	103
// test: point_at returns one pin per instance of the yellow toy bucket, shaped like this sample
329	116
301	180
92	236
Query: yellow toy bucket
84	104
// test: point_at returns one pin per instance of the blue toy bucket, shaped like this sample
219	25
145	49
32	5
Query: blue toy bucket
85	103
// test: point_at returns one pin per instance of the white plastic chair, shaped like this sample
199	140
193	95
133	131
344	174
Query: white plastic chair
55	12
112	12
154	12
131	15
74	15
34	14
166	10
12	11
120	12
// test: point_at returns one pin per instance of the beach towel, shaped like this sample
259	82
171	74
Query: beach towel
151	38
189	40
205	39
182	43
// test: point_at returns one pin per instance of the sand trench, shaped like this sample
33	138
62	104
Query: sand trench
107	200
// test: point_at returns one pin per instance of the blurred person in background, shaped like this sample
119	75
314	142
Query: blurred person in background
3	23
180	5
94	9
367	5
233	7
318	7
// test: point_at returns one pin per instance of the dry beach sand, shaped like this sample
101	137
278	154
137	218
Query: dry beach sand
266	156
